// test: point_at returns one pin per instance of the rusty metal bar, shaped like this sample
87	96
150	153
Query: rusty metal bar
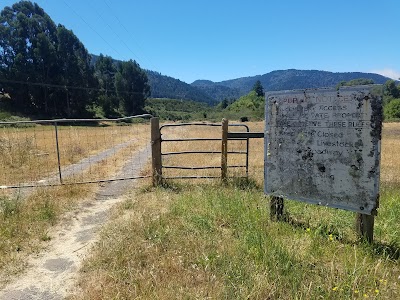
202	152
193	177
190	124
245	135
192	152
191	139
224	150
201	177
201	168
192	168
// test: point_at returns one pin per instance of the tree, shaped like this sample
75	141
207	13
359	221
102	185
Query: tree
392	109
132	87
258	88
27	54
36	56
224	103
76	72
353	82
390	89
105	71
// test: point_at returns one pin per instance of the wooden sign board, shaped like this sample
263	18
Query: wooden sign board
323	146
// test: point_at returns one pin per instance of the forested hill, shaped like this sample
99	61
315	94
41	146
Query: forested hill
281	80
162	86
167	87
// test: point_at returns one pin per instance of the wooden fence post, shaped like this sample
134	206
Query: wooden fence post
276	208
365	226
224	150
156	151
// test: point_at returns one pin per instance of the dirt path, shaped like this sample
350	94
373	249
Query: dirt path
52	274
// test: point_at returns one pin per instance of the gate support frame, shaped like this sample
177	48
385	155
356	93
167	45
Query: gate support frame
156	151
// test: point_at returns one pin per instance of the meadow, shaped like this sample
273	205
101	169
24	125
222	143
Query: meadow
29	155
28	215
201	239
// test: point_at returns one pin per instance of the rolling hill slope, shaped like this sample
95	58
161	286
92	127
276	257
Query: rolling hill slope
281	80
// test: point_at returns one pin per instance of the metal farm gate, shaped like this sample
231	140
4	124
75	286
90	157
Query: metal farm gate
200	150
73	151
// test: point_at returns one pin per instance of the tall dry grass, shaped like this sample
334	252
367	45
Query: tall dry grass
28	155
25	221
236	162
194	239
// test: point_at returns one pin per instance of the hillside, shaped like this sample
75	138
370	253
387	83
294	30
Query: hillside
281	80
162	86
177	110
210	92
167	87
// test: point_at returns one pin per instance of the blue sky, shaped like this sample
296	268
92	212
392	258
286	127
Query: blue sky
219	39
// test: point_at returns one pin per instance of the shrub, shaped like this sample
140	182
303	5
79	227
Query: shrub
392	109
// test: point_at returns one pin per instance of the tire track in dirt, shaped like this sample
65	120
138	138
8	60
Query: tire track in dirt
52	274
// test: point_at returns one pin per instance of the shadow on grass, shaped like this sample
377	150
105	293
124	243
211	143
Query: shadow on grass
238	183
243	183
391	250
377	248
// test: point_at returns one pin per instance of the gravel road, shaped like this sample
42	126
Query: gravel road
53	273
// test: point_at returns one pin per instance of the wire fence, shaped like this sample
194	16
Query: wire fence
64	151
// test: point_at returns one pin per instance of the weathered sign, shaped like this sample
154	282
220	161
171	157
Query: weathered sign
323	146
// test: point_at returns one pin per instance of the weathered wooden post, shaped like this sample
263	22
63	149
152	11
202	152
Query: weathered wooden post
224	150
365	226
276	208
156	151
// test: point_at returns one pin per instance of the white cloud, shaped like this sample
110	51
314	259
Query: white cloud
388	73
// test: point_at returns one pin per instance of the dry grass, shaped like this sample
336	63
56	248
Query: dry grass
390	163
25	223
26	220
30	154
203	240
214	159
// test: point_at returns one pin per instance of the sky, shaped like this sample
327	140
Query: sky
225	39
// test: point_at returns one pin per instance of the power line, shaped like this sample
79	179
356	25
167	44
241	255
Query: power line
92	28
116	34
127	31
65	87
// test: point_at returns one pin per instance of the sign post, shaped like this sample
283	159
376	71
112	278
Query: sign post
323	147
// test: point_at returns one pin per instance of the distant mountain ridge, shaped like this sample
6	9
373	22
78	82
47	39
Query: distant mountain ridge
281	80
210	92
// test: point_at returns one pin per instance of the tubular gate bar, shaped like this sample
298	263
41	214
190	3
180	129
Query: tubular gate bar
245	136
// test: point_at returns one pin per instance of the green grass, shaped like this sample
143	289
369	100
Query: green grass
217	242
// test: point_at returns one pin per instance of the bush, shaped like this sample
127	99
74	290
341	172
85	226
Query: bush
392	109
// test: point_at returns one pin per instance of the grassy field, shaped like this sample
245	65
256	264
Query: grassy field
204	240
236	161
27	218
29	154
